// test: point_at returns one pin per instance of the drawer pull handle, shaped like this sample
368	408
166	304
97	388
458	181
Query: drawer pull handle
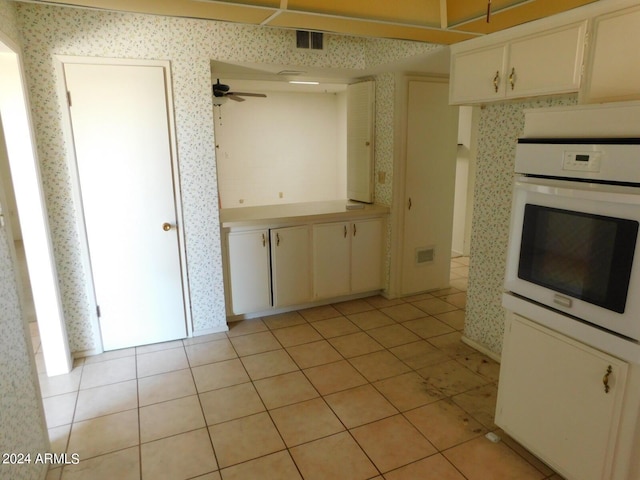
605	379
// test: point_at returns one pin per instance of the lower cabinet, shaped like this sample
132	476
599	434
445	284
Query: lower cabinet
367	255
290	265
561	399
249	271
347	257
280	267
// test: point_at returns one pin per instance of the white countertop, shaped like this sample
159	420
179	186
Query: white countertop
296	213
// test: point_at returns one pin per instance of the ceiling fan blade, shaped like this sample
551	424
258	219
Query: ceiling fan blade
246	94
234	97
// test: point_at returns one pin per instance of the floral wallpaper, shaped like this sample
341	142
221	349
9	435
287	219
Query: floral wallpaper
189	45
499	128
21	415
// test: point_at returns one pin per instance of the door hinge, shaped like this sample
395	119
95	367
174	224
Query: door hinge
69	97
98	311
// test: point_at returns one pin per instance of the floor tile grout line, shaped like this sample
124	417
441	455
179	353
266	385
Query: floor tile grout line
387	349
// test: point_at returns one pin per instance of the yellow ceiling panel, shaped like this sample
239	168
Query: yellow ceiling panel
418	20
180	8
367	28
464	10
260	3
412	12
533	10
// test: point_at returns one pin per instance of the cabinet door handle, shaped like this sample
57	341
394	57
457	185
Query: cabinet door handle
354	230
496	81
277	239
605	379
345	231
410	203
512	78
264	240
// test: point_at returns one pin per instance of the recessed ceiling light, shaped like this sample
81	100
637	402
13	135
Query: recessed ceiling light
303	83
290	72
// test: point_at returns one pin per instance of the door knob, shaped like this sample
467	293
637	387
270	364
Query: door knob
166	226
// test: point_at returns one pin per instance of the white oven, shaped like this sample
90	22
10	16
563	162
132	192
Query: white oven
573	243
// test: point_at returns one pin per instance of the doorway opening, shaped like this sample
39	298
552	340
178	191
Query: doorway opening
19	144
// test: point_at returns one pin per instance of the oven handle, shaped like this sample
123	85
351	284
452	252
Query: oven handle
579	190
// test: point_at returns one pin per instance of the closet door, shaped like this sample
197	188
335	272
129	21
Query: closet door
122	139
432	138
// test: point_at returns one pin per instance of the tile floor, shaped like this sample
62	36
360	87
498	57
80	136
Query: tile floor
365	389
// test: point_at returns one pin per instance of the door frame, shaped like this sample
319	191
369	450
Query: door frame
32	210
60	61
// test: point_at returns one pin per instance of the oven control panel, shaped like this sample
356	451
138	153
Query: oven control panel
576	161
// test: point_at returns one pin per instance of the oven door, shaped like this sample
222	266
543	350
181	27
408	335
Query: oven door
572	247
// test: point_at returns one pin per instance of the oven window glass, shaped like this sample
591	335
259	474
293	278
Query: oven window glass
585	256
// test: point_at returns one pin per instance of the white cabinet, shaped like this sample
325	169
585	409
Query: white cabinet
291	265
478	75
366	255
331	259
347	257
540	64
613	64
560	399
249	271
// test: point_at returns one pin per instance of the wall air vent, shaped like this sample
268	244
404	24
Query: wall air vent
306	39
425	255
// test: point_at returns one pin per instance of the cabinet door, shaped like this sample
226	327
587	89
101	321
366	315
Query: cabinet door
366	255
291	265
477	75
331	265
360	136
547	63
249	274
552	398
613	69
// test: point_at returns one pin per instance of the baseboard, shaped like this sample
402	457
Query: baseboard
209	331
481	348
291	308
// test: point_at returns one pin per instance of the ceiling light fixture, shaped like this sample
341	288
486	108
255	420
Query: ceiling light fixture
299	82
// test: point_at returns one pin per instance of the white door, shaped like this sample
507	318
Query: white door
291	265
545	64
366	256
331	259
478	75
432	133
121	134
560	399
249	271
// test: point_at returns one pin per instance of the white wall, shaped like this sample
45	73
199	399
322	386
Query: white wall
288	147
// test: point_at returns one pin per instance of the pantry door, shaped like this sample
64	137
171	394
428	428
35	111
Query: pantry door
122	138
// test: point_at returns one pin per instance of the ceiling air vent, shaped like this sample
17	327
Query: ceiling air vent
312	40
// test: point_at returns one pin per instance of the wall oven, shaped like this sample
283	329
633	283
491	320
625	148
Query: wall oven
573	243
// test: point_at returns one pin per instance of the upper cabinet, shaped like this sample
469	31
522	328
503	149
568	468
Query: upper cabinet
360	146
549	62
613	64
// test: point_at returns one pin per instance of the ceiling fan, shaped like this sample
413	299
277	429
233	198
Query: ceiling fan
222	90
